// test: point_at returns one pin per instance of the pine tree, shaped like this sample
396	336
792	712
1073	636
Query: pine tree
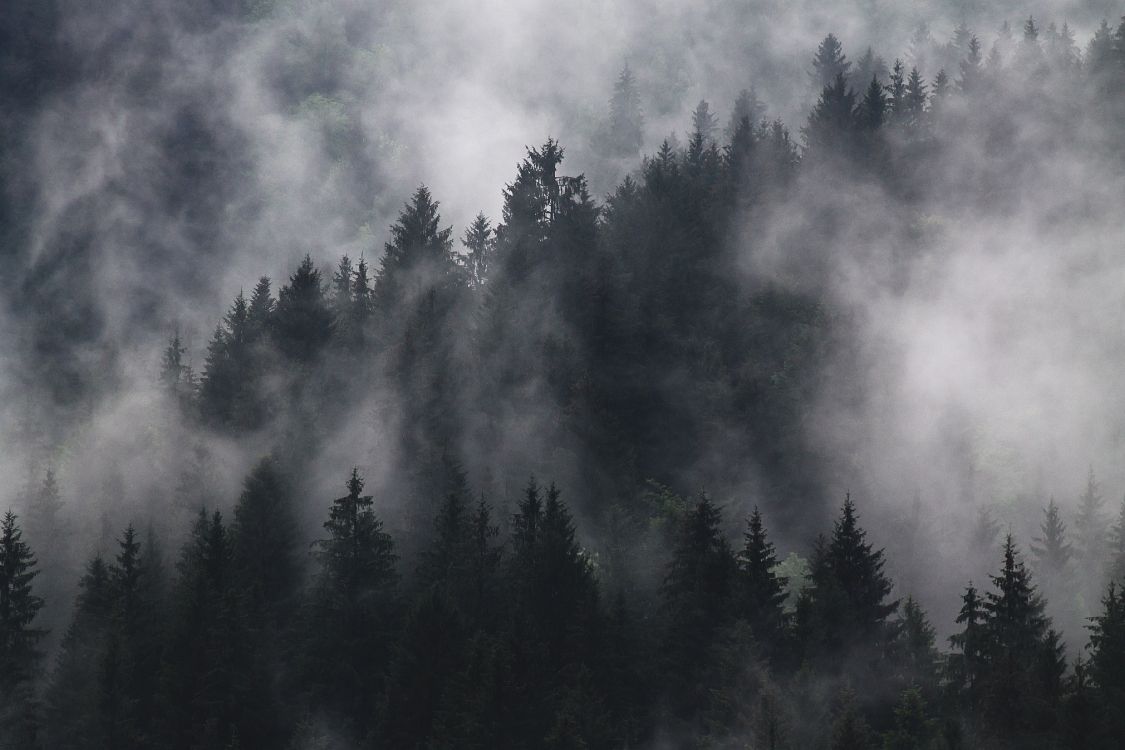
263	540
761	591
303	319
1090	525
896	92
418	255
854	569
913	729
971	67
352	608
1052	551
176	376
968	663
199	690
626	122
1107	661
697	596
74	706
914	101
869	66
748	107
849	728
479	245
916	650
829	62
19	635
872	110
1117	549
832	120
1017	631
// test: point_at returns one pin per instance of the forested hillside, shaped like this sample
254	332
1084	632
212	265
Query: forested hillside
781	431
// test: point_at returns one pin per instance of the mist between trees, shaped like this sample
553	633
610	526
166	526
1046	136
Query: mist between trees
307	521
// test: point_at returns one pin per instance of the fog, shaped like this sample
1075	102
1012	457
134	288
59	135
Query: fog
984	346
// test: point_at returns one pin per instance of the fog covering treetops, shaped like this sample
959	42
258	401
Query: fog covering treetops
808	342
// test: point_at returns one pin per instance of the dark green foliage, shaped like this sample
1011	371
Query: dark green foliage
698	596
832	122
1107	664
1021	681
761	592
263	544
303	319
19	635
352	608
846	607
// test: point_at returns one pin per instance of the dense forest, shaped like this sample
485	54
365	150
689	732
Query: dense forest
586	473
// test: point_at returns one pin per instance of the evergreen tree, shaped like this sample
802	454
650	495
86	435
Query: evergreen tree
1117	548
913	729
479	245
697	591
747	107
1107	662
896	92
74	701
417	257
1090	525
352	610
303	319
971	67
1052	551
872	110
626	123
968	663
829	63
761	591
914	101
832	121
847	603
19	636
916	650
263	541
1017	631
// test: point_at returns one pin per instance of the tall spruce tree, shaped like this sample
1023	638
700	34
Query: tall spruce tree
19	636
761	592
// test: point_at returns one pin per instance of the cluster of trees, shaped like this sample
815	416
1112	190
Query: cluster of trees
515	639
607	345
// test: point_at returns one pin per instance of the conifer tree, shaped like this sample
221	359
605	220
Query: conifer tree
418	255
1017	634
896	92
626	123
479	245
303	319
832	120
872	109
968	663
697	592
916	650
761	591
915	98
829	62
352	609
263	541
849	589
1052	551
19	636
1107	661
747	107
1090	525
970	67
